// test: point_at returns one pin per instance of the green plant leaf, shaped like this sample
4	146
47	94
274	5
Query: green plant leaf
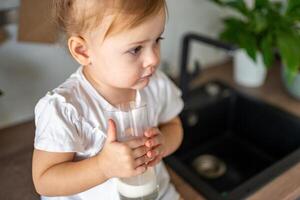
248	42
261	4
292	5
236	32
267	26
258	23
289	75
289	47
293	9
232	27
295	15
238	5
267	50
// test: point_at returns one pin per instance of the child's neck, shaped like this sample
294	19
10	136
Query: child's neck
117	96
113	95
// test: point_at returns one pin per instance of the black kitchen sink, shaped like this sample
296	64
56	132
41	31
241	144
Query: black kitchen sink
251	141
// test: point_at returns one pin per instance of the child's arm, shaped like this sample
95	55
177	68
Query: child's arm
56	174
164	140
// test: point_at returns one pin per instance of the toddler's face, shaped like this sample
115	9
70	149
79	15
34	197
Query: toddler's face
129	58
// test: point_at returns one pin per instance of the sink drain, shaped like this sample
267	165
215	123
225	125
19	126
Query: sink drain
209	166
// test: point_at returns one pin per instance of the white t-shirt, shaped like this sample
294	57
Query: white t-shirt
71	119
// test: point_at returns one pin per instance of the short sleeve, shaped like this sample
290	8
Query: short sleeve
170	98
56	127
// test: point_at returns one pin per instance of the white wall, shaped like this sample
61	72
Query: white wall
28	70
199	16
5	4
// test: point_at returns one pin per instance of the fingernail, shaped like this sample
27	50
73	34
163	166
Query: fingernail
148	143
147	133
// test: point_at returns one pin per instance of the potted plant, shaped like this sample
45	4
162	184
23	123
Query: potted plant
258	31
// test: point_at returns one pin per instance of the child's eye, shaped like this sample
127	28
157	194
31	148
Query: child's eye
159	39
136	50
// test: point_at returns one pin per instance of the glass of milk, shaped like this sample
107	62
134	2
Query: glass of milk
131	120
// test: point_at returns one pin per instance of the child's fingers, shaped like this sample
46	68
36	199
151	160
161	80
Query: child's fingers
154	161
154	152
140	151
139	170
154	141
135	143
141	161
111	131
152	132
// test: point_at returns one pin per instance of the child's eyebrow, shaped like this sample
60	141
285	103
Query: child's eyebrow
139	42
143	41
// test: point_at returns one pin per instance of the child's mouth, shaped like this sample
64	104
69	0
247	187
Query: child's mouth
147	76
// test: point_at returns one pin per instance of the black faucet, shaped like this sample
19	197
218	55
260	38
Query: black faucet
8	16
185	76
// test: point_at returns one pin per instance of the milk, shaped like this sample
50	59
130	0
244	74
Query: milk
143	186
131	122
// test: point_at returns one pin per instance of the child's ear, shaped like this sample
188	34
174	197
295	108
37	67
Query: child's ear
79	49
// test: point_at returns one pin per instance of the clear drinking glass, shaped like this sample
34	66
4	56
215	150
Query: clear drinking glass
131	121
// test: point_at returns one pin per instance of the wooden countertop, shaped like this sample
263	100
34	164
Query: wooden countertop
287	185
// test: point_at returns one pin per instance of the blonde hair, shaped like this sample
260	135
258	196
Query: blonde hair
76	17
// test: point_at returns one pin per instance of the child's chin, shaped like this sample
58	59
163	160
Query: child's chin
142	83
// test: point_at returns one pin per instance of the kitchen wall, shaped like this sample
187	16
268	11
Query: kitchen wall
8	4
28	70
199	16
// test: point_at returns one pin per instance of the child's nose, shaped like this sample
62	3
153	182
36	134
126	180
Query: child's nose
152	59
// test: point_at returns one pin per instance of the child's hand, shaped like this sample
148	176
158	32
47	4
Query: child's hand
156	142
122	159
